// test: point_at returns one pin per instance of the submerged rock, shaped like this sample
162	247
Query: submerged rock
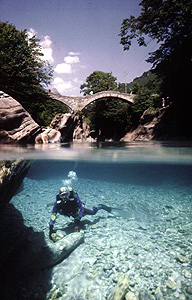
130	296
11	176
25	253
40	253
144	294
120	289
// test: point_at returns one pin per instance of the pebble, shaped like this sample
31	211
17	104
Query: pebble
171	285
147	254
189	290
130	296
181	258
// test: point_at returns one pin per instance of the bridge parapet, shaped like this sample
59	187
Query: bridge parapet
79	103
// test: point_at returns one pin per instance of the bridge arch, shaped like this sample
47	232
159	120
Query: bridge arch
79	103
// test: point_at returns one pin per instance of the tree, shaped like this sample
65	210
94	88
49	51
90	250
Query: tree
24	74
22	69
168	22
108	116
99	81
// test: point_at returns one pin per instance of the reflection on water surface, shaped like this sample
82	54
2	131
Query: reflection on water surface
111	151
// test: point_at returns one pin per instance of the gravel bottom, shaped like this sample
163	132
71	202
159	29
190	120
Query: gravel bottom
152	245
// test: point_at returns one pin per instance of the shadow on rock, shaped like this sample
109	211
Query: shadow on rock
26	257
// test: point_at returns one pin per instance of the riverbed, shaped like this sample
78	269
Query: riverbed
149	240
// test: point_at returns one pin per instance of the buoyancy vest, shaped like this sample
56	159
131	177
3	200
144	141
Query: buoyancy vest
67	207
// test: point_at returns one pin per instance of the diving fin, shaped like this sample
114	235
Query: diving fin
115	211
105	207
120	213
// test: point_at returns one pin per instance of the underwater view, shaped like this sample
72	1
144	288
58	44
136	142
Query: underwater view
147	234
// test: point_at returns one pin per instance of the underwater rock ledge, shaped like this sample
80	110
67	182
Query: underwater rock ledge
12	174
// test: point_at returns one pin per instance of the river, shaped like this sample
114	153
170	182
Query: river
149	186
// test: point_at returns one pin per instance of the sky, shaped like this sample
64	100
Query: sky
79	37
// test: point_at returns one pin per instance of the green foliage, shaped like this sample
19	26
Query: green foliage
108	116
44	109
169	23
148	94
21	68
111	117
24	74
122	88
98	81
166	21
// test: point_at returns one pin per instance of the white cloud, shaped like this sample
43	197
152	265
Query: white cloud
74	53
71	59
31	33
76	80
66	67
61	85
47	49
63	68
46	43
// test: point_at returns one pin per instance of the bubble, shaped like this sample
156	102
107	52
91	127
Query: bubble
72	176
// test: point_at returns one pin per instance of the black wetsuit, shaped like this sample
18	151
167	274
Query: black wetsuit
71	208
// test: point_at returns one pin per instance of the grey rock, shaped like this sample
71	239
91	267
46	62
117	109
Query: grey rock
16	124
144	294
11	176
152	125
65	124
130	296
120	289
40	253
49	135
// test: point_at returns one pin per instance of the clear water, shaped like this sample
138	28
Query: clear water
150	182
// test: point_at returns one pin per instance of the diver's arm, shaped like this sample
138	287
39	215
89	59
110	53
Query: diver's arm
80	212
52	219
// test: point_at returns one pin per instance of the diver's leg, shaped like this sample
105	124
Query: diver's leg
94	210
90	211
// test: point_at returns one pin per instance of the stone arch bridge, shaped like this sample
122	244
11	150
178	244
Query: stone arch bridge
79	103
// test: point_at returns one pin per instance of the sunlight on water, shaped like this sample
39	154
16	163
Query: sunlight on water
147	235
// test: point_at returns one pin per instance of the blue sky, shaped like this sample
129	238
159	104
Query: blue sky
79	37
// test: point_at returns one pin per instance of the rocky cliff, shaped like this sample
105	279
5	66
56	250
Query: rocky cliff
153	125
16	124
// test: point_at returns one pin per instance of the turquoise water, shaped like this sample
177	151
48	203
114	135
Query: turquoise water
150	242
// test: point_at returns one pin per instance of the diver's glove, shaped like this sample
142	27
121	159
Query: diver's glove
51	231
77	222
76	229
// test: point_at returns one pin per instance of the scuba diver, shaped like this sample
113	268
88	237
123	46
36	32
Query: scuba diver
69	204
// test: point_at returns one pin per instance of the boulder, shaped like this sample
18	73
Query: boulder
11	176
153	125
25	252
65	124
82	133
16	124
40	253
49	135
120	289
